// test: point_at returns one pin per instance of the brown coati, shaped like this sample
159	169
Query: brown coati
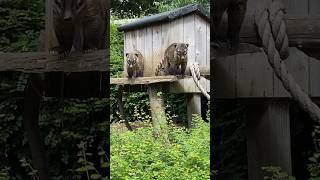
236	10
80	24
162	69
176	55
135	64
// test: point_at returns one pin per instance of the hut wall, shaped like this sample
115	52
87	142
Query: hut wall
152	42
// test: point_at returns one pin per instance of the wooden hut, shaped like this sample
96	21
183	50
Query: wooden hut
248	77
151	36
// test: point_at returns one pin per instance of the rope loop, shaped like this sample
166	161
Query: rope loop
195	72
271	29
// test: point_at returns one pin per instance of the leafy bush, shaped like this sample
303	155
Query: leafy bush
276	173
138	155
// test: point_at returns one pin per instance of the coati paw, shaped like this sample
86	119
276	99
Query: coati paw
86	51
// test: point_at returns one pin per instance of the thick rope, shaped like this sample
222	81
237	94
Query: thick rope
195	72
264	21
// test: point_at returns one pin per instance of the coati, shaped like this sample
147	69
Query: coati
135	64
174	56
236	10
80	24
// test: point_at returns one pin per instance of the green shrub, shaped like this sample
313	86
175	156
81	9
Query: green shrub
138	155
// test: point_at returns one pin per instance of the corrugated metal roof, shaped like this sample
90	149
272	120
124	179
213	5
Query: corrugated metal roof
166	17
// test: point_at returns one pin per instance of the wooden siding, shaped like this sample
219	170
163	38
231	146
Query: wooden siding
152	42
250	76
293	7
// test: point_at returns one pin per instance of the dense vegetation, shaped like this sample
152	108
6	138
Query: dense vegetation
69	133
138	155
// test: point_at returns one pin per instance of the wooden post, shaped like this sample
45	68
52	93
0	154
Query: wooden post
268	137
193	106
157	111
31	110
121	109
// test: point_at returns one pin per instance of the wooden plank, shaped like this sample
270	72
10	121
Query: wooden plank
253	76
224	76
296	7
201	46
148	53
208	53
301	30
193	106
38	62
176	35
268	137
143	80
314	7
298	66
141	34
156	47
189	37
314	74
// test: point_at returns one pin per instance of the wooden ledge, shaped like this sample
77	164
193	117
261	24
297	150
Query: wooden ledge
144	80
39	62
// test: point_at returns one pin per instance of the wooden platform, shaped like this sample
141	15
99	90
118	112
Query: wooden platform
39	62
251	76
143	80
173	84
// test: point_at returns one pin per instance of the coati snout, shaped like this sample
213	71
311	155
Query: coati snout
69	9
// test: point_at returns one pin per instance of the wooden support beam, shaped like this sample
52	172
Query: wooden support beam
303	31
158	111
193	106
268	137
39	62
143	80
121	108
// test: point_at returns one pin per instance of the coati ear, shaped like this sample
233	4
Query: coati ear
175	44
136	54
127	54
187	44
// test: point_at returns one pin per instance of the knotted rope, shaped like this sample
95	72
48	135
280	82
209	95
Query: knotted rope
271	29
195	72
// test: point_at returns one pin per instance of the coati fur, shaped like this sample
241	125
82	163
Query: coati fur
236	10
162	69
176	58
135	64
80	24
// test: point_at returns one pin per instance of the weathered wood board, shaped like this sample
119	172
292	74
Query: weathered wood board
251	76
268	137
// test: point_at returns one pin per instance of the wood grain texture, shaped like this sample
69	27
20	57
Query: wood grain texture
314	74
296	7
224	77
253	76
38	62
268	137
250	76
143	80
314	7
193	106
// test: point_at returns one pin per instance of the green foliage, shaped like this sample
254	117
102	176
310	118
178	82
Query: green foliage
168	5
314	165
186	157
276	173
140	8
229	130
20	24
